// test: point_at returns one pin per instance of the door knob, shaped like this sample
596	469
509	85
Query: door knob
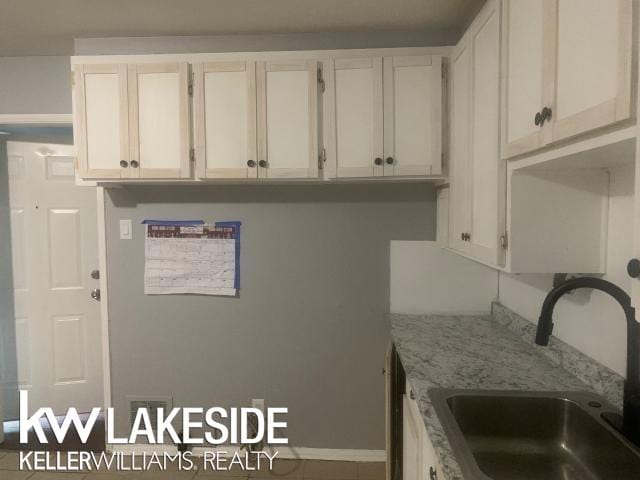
633	268
263	163
124	163
378	161
251	163
95	294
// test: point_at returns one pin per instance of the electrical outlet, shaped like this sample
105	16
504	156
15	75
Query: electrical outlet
258	403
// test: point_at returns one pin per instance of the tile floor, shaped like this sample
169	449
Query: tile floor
285	469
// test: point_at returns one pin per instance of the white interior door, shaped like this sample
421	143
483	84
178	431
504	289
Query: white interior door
54	251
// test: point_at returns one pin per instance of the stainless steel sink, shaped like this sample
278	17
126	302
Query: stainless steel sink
504	435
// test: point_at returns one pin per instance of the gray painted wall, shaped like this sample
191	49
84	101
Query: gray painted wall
8	362
35	85
308	331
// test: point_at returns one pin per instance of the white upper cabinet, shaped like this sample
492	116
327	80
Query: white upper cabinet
357	89
593	65
132	121
412	115
385	116
567	67
159	120
101	127
225	124
287	119
478	177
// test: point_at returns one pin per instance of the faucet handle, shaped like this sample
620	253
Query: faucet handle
633	268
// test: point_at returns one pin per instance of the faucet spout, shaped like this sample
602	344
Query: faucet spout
631	403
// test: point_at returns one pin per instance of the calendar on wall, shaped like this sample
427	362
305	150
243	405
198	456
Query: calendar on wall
192	257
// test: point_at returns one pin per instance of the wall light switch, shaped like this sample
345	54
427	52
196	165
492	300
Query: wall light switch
125	230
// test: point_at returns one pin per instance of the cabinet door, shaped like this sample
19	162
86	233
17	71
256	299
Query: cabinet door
487	169
459	146
101	128
411	454
525	57
593	65
412	115
159	120
225	130
357	87
288	119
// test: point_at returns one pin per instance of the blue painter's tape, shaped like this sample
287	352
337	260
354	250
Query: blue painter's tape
236	225
172	222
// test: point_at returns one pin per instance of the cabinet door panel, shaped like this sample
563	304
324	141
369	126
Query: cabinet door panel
100	120
593	67
225	103
358	107
158	114
523	51
288	119
413	115
460	148
485	152
411	454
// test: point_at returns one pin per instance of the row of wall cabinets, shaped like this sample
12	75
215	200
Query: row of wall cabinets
362	116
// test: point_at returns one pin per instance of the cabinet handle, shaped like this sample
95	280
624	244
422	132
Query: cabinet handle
633	268
251	163
378	161
134	163
124	163
389	160
538	119
547	113
412	395
433	475
263	163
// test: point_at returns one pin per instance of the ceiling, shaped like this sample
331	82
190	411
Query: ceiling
48	27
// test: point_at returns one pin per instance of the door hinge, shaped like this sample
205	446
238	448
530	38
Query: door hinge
190	88
321	80
192	155
322	158
504	241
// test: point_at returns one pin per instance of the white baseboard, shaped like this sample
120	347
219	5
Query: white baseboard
284	452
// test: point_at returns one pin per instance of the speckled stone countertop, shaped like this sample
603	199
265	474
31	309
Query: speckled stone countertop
494	352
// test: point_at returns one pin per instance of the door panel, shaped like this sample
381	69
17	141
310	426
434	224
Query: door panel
225	104
523	73
54	244
288	116
460	148
485	139
159	118
412	115
593	67
359	128
101	128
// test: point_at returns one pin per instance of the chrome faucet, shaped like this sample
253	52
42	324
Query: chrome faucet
630	426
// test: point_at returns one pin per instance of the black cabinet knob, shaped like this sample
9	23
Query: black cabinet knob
389	160
547	113
263	163
251	163
433	475
462	236
538	119
124	163
134	163
378	161
633	268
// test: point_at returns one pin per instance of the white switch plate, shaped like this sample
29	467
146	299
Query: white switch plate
125	230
